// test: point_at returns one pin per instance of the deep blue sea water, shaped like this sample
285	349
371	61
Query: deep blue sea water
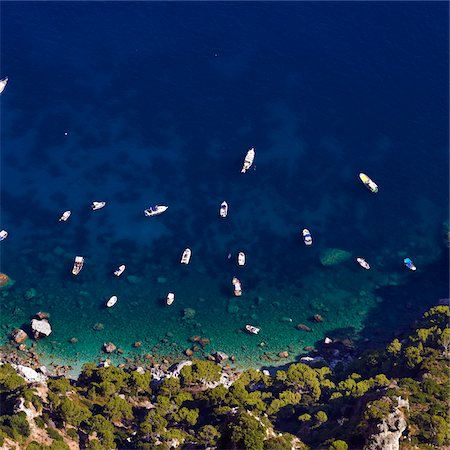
157	103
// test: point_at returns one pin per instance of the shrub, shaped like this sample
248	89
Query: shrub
54	434
338	445
39	422
58	445
33	445
73	434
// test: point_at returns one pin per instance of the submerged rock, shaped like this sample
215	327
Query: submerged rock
333	256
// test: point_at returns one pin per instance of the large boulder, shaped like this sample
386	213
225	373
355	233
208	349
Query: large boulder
333	256
40	328
18	335
109	347
220	357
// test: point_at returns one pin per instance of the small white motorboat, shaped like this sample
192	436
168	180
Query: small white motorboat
241	258
3	83
186	256
97	205
155	210
307	238
120	270
65	216
170	298
409	264
223	211
112	301
252	329
3	235
248	161
77	265
237	287
363	263
368	182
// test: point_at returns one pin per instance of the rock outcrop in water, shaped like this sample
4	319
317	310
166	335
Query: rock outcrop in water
40	328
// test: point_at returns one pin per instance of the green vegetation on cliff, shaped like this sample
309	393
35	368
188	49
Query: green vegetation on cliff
301	407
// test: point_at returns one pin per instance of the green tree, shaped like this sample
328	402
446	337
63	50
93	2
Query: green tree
186	415
117	408
9	380
208	435
246	432
321	416
73	413
59	385
104	429
33	445
19	425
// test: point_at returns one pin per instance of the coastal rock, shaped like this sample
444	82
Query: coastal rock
189	352
18	335
327	340
29	374
388	433
41	315
109	347
220	357
40	328
318	318
283	354
333	256
29	294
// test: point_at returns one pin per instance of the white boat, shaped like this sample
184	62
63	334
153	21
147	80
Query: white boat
363	263
307	238
248	161
368	182
241	258
120	270
77	265
170	298
186	256
3	83
409	264
112	301
252	329
65	216
223	211
237	287
97	205
3	235
155	210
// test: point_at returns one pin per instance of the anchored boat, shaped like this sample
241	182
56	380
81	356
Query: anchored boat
77	265
248	161
368	182
363	263
3	83
307	238
65	216
120	270
97	205
223	211
186	256
252	329
241	258
112	301
155	210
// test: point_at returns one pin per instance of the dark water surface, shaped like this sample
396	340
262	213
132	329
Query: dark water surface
157	103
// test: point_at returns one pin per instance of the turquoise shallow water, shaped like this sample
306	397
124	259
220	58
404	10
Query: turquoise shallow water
162	111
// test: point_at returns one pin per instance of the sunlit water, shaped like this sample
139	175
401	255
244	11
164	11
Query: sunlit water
152	103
